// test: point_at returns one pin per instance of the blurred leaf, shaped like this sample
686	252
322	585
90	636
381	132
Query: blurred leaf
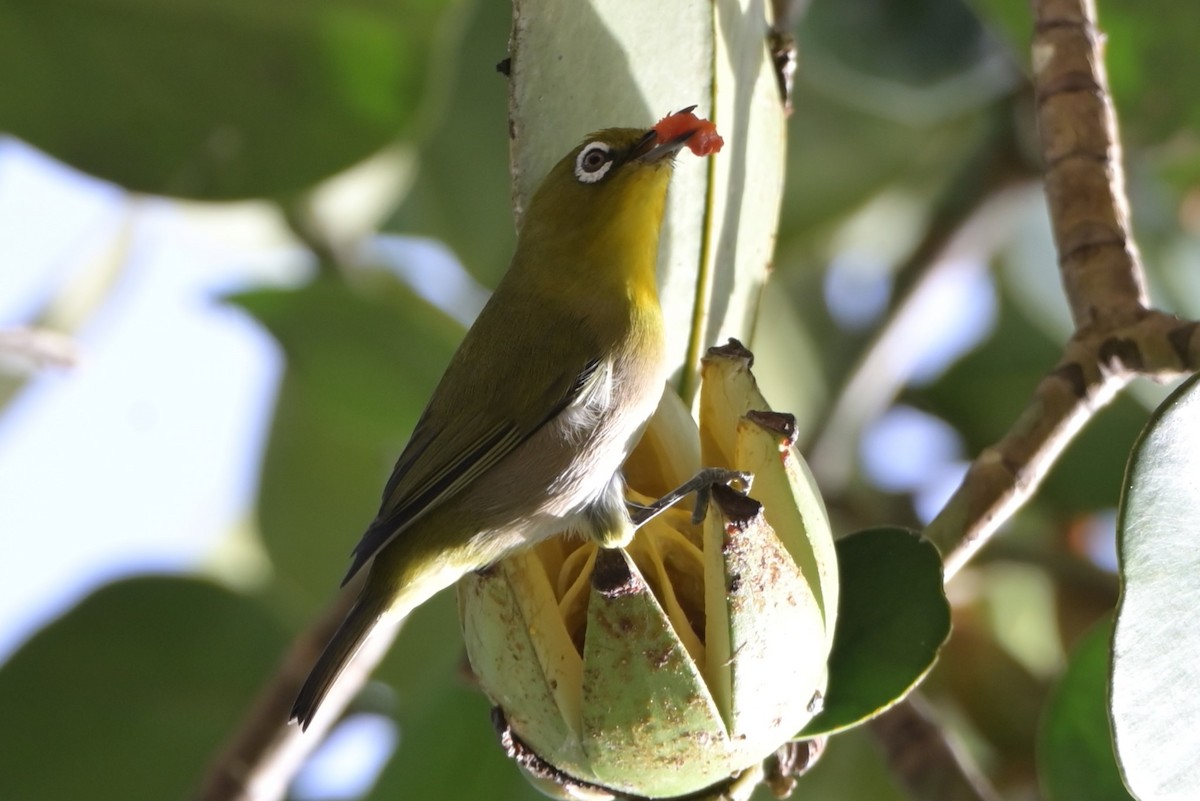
1084	591
1026	271
892	621
126	695
448	748
1141	49
1087	477
1012	21
213	99
361	364
1075	750
785	352
841	155
462	192
887	96
910	41
1156	645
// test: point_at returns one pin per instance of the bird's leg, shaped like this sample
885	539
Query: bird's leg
701	484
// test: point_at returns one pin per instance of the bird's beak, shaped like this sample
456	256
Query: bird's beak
647	152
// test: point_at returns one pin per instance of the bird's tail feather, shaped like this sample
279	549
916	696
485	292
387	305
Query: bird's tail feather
346	642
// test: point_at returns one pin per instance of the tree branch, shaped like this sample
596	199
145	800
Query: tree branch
1117	337
260	759
920	756
1085	182
1096	364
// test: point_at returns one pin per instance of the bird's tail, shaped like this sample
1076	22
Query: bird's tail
346	642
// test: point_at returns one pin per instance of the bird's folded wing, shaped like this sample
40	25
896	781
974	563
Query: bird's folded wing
445	455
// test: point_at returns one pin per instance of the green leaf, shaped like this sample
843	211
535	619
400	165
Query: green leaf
213	99
1075	751
361	363
1156	644
892	622
128	693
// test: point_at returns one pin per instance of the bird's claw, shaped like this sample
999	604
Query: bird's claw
737	480
701	484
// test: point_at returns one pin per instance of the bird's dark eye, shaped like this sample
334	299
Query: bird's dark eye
593	162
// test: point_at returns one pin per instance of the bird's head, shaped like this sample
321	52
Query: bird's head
614	183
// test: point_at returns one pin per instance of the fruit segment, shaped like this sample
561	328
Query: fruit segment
681	662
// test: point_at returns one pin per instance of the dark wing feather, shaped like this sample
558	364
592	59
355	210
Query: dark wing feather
403	504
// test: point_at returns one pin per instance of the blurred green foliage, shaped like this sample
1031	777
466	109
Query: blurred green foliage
126	695
1075	749
214	100
921	103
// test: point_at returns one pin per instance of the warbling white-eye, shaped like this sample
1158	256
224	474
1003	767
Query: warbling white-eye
525	435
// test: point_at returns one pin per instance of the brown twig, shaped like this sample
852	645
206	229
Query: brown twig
1096	364
920	755
260	759
1085	182
1117	337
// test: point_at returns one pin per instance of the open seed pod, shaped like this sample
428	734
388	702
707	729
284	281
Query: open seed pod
686	659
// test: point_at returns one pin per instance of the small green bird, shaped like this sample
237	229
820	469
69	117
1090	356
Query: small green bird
526	433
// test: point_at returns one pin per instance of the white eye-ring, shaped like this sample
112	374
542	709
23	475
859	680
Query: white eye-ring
593	162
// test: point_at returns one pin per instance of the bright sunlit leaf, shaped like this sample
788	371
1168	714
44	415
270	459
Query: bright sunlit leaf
1156	645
